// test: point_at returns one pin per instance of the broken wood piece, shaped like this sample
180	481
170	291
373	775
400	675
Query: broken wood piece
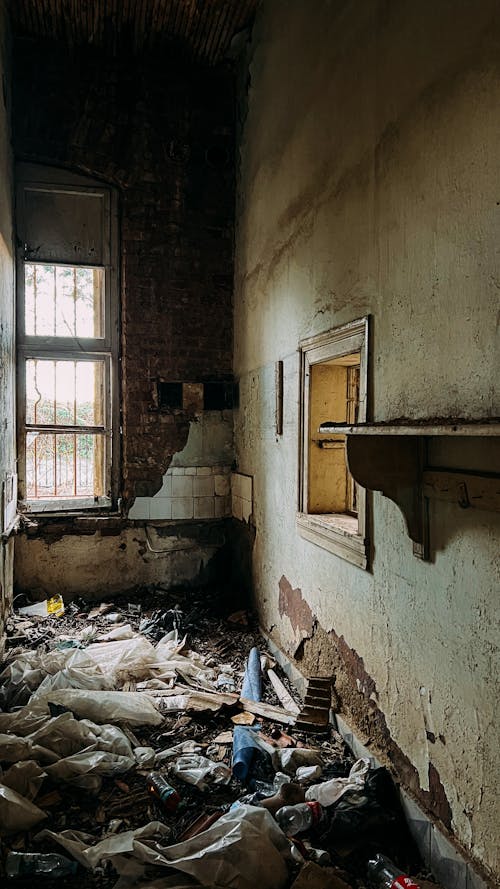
244	718
285	697
268	711
101	609
224	738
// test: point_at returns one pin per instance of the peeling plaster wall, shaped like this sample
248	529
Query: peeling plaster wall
160	128
7	316
368	184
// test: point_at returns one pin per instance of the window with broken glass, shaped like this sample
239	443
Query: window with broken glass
67	344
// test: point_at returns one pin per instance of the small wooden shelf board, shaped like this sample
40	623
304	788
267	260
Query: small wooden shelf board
457	427
391	457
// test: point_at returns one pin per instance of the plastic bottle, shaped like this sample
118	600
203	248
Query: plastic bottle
384	874
163	792
18	864
297	819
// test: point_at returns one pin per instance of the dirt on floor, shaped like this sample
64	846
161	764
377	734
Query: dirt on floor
94	700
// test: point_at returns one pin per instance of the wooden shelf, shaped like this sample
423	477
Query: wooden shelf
453	427
391	458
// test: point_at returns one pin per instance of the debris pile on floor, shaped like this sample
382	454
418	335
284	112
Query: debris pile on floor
159	747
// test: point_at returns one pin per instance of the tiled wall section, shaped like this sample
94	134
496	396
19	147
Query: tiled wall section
188	492
241	496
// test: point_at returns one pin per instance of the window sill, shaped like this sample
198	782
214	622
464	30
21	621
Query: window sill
337	533
82	506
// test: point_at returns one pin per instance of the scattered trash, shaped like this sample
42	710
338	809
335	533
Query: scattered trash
122	729
200	771
330	792
53	607
16	812
132	708
20	864
161	790
384	874
299	818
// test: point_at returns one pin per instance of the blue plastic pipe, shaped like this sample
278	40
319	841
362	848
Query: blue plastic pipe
243	747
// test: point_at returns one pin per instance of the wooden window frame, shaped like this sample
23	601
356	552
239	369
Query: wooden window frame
339	533
105	348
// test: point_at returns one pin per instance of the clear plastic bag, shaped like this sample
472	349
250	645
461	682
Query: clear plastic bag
200	771
16	812
25	778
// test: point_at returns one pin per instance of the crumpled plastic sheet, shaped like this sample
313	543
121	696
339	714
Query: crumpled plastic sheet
25	778
35	673
330	792
130	707
71	750
242	849
17	812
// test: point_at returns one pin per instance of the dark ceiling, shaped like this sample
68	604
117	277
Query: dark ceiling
205	28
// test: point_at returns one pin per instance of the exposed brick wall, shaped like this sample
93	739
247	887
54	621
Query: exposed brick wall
162	131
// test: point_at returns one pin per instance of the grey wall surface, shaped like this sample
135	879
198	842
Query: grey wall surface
369	185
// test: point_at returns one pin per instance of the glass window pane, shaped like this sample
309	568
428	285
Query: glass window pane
63	301
65	393
64	465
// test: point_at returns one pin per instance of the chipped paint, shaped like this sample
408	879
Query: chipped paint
297	610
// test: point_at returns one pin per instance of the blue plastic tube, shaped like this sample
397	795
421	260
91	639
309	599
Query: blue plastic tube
243	748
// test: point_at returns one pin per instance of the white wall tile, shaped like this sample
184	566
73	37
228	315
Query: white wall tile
161	508
182	486
222	485
203	486
140	509
182	508
246	487
236	484
236	506
246	509
204	507
166	488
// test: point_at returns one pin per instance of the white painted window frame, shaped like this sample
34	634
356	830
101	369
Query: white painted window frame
104	348
334	532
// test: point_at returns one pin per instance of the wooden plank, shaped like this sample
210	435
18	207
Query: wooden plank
452	427
267	711
468	490
285	698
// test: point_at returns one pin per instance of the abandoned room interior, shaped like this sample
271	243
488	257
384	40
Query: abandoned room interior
249	443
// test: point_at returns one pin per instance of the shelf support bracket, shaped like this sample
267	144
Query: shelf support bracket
393	465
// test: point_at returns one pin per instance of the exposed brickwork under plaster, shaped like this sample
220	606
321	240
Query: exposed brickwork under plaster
322	653
162	133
